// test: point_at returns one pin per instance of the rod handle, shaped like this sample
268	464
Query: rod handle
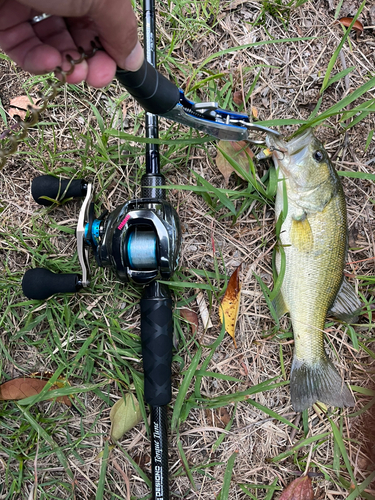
57	189
40	283
156	338
155	93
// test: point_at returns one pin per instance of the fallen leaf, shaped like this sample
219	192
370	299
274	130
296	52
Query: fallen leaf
224	416
238	97
299	489
357	26
20	388
24	387
254	112
142	460
18	106
203	310
230	304
124	415
218	418
191	317
239	151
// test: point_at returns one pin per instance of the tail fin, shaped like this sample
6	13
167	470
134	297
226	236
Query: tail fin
320	381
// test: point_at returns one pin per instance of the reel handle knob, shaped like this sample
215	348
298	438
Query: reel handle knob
56	189
40	283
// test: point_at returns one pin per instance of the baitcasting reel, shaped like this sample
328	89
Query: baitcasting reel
140	240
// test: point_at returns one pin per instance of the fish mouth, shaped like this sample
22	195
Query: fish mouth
275	143
300	142
295	146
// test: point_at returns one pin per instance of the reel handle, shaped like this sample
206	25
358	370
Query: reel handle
40	283
156	337
56	189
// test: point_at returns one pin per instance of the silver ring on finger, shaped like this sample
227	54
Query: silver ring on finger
39	18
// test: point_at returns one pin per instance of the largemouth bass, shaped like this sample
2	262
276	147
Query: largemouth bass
314	239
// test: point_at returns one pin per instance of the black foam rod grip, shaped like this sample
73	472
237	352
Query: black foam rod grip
57	189
40	283
156	337
155	93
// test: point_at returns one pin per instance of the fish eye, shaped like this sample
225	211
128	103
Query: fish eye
318	155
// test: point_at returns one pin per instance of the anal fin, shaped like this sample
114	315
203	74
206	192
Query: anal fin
346	305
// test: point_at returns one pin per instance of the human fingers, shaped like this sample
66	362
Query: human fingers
18	39
98	70
40	48
62	8
54	32
117	27
115	22
25	49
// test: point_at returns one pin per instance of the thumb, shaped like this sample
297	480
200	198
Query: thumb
117	28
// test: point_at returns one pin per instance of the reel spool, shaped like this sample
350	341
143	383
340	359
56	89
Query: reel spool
139	241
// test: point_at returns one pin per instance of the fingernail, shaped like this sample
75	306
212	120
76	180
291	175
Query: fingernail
135	59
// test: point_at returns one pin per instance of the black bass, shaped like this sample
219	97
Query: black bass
314	239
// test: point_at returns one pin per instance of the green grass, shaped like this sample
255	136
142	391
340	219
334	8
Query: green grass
92	338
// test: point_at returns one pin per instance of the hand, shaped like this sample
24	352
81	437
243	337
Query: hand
41	47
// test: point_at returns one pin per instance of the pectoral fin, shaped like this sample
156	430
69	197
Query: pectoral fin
301	235
346	305
279	305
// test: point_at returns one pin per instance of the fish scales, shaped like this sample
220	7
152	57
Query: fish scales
313	236
316	274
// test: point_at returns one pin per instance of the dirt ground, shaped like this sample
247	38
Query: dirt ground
288	87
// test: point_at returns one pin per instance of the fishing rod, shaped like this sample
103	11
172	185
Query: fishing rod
157	334
140	241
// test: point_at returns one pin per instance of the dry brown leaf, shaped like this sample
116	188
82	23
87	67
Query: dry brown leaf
20	388
239	151
231	303
254	112
24	387
224	416
191	317
238	97
18	106
299	489
357	26
218	418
